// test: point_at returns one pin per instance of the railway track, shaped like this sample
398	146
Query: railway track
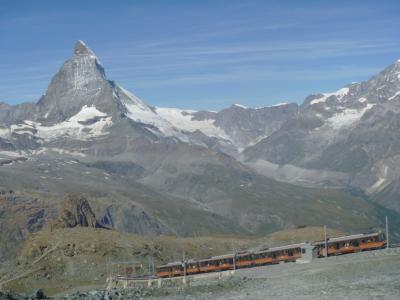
304	252
268	256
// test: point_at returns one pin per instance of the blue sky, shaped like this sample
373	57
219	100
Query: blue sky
201	54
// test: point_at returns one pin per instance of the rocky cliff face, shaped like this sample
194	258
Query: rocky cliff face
76	211
80	82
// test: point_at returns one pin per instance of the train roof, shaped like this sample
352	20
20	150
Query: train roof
292	246
225	256
177	263
171	264
347	237
273	249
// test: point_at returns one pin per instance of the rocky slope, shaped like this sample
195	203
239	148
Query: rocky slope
20	216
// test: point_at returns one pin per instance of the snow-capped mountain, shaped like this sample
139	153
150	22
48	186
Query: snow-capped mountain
153	170
82	104
207	158
345	138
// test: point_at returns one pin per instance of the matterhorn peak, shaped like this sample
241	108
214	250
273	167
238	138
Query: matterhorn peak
82	49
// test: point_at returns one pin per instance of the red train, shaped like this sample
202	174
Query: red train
289	253
351	244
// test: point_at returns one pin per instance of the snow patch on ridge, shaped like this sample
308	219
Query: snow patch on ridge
381	183
76	127
88	123
280	104
87	113
12	154
339	95
169	121
67	152
240	105
362	99
347	117
139	112
394	96
135	100
4	132
183	120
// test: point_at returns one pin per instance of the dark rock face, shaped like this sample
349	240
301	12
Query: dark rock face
288	145
135	218
11	114
245	125
82	49
6	145
39	294
76	211
80	81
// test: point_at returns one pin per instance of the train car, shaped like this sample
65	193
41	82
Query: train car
264	257
289	253
170	270
216	263
351	243
276	255
192	267
244	260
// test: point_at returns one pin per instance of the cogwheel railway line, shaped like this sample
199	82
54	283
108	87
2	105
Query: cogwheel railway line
225	265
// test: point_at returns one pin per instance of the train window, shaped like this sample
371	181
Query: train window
303	250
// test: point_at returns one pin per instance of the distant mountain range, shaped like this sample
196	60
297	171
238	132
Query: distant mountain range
240	170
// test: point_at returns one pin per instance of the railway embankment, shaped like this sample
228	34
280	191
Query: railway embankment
129	283
367	275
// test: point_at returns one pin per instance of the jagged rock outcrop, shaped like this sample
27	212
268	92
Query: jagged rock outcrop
76	211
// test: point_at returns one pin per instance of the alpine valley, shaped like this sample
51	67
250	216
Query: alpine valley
334	160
